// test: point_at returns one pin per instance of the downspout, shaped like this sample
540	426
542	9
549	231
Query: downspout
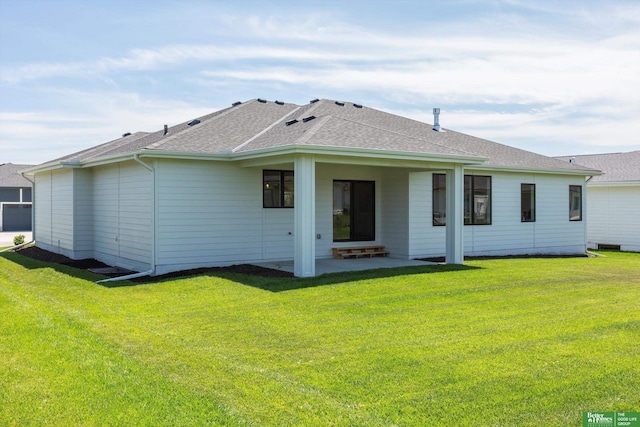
136	157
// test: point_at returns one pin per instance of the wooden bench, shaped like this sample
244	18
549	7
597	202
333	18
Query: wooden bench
359	251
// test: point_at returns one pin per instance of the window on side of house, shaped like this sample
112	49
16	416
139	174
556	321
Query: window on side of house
477	199
527	202
277	189
439	191
575	203
353	211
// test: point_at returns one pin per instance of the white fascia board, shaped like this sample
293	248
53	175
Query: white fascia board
582	172
614	184
360	153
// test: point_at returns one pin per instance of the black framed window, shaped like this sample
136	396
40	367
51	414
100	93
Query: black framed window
277	189
527	202
353	211
439	190
575	203
477	199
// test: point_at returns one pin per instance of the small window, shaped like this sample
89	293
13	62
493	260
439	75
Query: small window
527	202
575	203
277	189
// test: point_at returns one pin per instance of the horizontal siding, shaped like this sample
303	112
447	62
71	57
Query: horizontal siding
62	211
105	212
614	217
134	213
325	175
208	214
122	215
83	213
42	226
278	234
552	232
394	214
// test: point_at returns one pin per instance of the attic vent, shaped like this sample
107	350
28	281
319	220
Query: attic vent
193	122
306	119
313	101
126	134
357	105
572	160
290	122
340	103
235	104
280	102
264	101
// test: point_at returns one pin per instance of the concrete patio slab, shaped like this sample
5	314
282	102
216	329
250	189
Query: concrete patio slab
332	265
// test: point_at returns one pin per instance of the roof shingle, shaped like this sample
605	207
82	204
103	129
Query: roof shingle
256	125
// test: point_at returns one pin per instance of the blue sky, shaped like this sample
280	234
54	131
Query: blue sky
554	77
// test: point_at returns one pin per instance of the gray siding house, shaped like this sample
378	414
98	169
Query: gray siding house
614	200
268	181
15	198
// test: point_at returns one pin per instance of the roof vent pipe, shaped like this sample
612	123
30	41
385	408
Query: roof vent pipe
436	119
166	130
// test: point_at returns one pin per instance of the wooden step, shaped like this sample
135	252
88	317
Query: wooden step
359	251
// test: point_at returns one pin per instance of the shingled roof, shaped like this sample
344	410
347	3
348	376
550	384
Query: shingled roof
258	125
10	175
617	167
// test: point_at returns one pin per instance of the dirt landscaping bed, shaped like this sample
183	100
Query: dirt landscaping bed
85	264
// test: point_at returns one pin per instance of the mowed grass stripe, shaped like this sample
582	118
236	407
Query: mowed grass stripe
508	342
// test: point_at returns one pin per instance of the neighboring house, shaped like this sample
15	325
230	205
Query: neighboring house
15	198
266	181
613	200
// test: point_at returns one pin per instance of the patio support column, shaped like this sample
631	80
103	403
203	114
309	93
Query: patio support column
455	216
304	260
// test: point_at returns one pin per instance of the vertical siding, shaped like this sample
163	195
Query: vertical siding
209	213
613	216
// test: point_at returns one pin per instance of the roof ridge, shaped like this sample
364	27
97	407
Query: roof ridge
314	129
190	128
263	131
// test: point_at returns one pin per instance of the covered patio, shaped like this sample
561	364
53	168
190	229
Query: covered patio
332	265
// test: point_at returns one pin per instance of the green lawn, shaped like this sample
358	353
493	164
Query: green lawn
524	342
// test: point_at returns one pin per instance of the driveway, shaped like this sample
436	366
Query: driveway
6	237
